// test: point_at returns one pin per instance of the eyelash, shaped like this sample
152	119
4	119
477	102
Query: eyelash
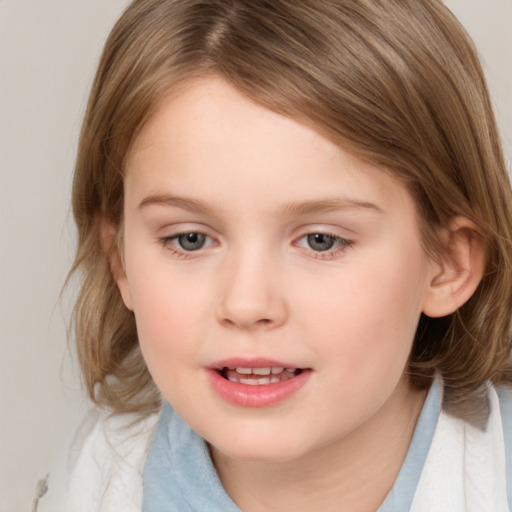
340	244
168	244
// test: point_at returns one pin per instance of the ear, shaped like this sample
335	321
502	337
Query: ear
111	243
458	274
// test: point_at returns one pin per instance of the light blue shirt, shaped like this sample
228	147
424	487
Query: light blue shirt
179	475
401	495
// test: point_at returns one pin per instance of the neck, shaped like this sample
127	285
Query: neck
354	473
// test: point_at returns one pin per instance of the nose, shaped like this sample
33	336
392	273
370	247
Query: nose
252	295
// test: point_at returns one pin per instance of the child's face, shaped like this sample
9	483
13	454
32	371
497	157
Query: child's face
252	241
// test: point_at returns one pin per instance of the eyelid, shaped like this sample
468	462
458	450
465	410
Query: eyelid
177	236
340	239
169	240
342	243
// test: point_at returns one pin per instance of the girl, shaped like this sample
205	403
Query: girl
295	238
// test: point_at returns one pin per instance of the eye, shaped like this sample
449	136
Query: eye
188	242
191	241
324	243
320	241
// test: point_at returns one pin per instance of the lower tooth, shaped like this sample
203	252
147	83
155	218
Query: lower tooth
248	381
255	382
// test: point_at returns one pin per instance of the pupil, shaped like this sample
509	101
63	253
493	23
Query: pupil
320	242
191	241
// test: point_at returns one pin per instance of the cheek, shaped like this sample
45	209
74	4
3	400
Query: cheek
169	315
367	317
167	341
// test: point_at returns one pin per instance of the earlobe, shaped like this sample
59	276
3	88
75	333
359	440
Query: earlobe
111	247
458	274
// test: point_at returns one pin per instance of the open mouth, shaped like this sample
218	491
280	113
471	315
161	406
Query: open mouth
258	376
256	383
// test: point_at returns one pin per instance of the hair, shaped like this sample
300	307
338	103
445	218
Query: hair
396	82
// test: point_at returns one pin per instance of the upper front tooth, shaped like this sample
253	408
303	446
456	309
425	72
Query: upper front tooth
261	371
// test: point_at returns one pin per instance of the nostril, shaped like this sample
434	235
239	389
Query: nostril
262	322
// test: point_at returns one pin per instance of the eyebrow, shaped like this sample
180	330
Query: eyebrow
324	205
330	204
179	202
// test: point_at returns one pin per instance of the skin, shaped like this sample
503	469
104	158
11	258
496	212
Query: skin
256	184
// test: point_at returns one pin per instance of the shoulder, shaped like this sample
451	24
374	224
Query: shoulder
505	401
101	469
467	464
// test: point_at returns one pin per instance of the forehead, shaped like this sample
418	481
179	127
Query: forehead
203	113
206	138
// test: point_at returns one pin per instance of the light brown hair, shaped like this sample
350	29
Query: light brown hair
396	82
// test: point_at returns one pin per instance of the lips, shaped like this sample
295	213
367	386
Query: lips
256	383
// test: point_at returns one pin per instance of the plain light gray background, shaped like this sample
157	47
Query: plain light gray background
48	52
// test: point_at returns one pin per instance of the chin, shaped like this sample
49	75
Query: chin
260	450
